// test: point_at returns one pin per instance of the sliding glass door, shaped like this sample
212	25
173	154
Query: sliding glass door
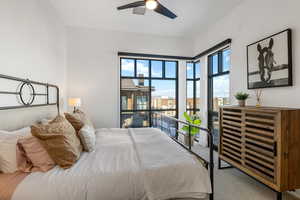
218	88
147	86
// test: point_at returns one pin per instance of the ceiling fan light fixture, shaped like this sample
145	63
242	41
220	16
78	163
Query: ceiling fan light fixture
151	4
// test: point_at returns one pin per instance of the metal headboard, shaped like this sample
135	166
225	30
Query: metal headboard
30	84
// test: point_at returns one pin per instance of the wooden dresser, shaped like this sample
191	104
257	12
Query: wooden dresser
264	143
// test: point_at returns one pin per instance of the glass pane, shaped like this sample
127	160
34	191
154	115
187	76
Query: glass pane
226	60
190	112
190	70
215	130
142	67
135	94
220	91
197	69
124	102
156	68
190	95
163	94
170	70
215	64
142	102
127	67
198	92
134	119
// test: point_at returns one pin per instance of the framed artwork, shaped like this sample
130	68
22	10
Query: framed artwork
270	61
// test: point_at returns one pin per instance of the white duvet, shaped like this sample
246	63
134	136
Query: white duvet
133	164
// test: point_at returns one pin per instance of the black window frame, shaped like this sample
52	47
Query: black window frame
211	113
194	110
150	78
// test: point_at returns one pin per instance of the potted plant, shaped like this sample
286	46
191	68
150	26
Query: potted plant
241	97
195	120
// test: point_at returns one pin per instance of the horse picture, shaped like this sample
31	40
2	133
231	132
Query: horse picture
269	61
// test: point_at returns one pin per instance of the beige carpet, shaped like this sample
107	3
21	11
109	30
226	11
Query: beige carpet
231	184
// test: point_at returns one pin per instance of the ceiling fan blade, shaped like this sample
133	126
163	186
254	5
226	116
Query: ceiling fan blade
164	11
132	5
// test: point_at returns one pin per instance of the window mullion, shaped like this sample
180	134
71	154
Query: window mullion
220	62
150	93
135	69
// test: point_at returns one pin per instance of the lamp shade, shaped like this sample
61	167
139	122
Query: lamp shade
75	102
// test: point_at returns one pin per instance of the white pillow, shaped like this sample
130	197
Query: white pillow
21	132
88	138
8	149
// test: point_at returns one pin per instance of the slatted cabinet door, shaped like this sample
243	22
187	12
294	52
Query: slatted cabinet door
249	141
231	138
264	143
260	143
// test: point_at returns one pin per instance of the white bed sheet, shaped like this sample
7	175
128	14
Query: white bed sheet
133	164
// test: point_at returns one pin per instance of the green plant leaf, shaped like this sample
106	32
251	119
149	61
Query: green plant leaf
197	122
187	117
241	96
185	128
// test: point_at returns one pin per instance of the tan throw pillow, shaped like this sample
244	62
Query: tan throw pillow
88	138
59	139
32	156
78	119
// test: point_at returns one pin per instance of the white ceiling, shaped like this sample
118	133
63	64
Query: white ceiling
193	15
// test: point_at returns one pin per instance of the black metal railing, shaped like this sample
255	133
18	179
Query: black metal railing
170	125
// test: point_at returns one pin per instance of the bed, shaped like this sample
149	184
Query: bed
132	164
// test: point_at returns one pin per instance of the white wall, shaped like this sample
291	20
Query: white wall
93	67
249	22
32	42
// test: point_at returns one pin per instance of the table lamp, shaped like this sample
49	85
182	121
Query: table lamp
75	102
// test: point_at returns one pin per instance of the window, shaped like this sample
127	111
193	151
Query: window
218	87
128	67
147	86
124	103
157	69
170	69
193	87
142	102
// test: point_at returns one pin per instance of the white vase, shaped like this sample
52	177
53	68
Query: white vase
187	140
242	103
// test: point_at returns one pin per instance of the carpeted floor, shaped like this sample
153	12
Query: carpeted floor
231	184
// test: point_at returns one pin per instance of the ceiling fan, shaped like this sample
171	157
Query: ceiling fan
151	5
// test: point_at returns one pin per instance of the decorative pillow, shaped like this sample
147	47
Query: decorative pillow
88	138
8	159
44	121
78	120
60	141
8	149
32	156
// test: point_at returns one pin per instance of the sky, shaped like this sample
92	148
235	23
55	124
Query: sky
166	88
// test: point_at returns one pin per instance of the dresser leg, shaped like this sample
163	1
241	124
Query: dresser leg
279	195
220	165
